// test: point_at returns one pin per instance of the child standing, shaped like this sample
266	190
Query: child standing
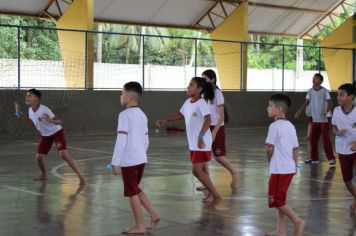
217	109
282	150
196	113
130	154
319	100
344	127
51	131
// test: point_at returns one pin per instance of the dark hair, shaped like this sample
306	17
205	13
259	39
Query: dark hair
349	89
282	100
208	89
210	74
35	92
320	76
133	87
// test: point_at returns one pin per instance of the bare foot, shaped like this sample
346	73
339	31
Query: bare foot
215	202
201	188
299	228
276	233
134	230
82	182
153	222
40	177
234	181
207	198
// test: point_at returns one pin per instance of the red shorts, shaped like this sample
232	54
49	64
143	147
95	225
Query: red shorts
277	189
46	142
218	147
131	176
347	163
200	156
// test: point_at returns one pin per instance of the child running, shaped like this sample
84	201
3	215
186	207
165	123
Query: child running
197	116
282	150
51	131
130	154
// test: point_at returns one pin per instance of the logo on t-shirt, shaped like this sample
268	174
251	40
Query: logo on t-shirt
39	118
194	114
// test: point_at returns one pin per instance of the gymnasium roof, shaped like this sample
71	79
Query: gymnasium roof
300	18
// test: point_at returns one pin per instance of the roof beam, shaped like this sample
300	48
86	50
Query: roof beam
288	8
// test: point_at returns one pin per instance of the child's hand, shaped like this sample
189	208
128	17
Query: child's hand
17	107
160	123
214	134
115	170
47	118
342	132
323	115
297	114
201	144
353	146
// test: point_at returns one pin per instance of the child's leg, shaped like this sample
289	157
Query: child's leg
310	124
347	163
41	165
150	210
139	226
281	226
206	181
66	156
299	224
328	147
225	163
206	170
314	141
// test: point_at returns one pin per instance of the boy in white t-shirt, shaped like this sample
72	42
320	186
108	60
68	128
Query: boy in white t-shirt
319	100
196	113
344	127
130	154
282	150
51	131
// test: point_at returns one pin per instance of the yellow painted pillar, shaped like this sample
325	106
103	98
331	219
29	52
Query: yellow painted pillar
338	62
78	67
228	55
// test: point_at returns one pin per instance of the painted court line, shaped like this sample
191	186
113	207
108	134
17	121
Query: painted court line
22	190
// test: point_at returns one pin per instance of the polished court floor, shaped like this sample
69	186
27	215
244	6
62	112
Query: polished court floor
59	207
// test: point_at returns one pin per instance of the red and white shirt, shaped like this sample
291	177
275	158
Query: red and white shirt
342	120
44	127
214	107
283	137
132	138
194	115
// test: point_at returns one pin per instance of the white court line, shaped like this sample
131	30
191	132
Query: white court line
22	190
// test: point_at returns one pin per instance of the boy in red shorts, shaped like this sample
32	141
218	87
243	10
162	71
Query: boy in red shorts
344	127
282	151
51	131
130	154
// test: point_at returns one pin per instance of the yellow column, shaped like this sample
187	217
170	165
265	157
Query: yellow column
338	62
80	15
228	55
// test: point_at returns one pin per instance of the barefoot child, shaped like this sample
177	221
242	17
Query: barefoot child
217	109
196	113
130	154
282	154
51	131
344	127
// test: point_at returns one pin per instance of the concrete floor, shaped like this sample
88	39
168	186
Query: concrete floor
59	207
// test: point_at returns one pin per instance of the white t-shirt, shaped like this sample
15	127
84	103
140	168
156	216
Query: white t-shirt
214	107
283	137
44	127
318	103
341	120
194	113
132	138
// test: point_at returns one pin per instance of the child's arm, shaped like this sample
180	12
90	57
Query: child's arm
121	142
162	122
20	114
269	152
206	126
53	120
301	109
330	106
339	132
221	120
295	154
